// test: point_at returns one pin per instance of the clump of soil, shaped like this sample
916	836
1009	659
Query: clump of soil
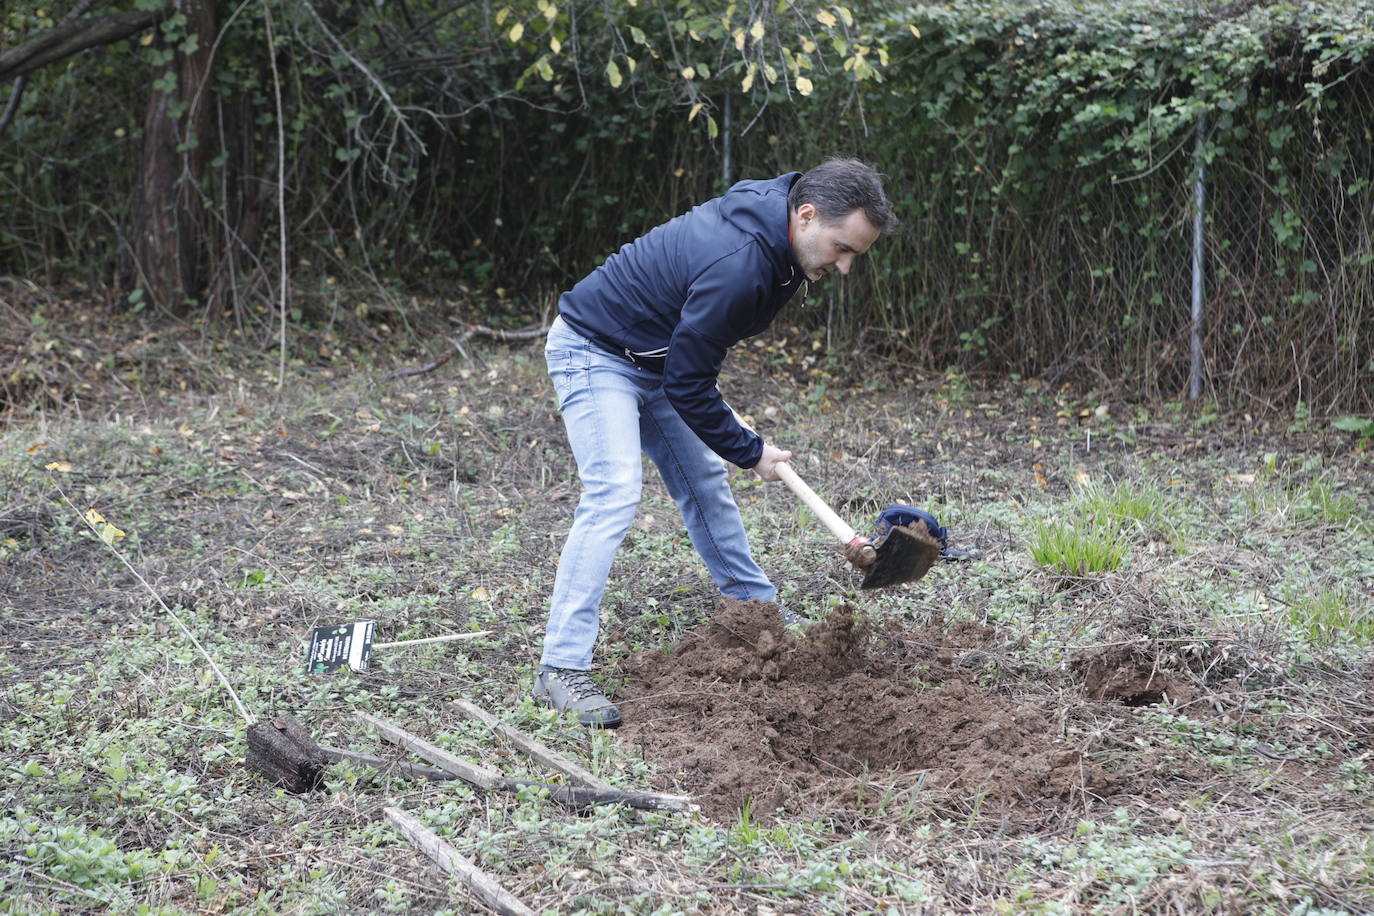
741	709
1120	673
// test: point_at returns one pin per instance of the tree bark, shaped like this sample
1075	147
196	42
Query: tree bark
169	228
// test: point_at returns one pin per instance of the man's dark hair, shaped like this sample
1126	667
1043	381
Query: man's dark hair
838	187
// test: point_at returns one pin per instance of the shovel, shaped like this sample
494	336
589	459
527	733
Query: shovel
900	553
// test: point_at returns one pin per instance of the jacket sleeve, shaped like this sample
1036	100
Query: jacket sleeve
716	315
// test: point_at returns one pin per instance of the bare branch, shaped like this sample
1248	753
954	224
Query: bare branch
72	38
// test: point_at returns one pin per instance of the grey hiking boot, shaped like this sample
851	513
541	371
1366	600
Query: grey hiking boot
571	690
959	553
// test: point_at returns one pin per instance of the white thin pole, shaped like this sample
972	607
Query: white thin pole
727	166
1199	238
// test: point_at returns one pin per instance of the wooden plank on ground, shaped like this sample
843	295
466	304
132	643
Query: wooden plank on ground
482	885
468	772
534	748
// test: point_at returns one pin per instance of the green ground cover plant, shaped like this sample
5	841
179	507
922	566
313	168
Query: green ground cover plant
437	504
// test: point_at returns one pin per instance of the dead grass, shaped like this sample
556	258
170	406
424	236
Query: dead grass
438	503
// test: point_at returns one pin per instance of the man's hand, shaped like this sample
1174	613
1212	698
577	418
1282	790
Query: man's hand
767	466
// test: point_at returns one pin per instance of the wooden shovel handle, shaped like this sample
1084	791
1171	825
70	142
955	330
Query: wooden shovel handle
838	526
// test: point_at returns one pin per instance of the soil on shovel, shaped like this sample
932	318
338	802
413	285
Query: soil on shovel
741	711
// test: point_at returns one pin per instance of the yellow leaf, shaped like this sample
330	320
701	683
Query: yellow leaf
613	74
696	36
695	110
808	45
517	31
109	534
501	15
94	518
550	11
63	467
689	73
826	18
770	73
846	15
146	40
915	31
756	30
747	83
631	63
555	45
481	594
803	85
739	40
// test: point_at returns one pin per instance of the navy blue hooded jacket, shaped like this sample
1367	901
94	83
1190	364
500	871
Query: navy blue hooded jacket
674	300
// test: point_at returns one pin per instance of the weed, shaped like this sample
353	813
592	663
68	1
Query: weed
1077	549
1331	617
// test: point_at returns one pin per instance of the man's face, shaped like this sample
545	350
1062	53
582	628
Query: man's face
823	247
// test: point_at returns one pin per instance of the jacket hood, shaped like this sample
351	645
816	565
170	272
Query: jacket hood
759	207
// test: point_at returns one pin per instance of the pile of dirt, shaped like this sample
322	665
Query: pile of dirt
742	710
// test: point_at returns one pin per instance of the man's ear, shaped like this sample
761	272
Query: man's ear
805	213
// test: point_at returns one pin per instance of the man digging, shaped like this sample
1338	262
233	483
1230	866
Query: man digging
634	356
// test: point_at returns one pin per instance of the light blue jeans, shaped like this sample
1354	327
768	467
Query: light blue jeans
613	411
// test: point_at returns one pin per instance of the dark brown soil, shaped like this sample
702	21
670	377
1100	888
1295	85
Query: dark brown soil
742	711
1118	673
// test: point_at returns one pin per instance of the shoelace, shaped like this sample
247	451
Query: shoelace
579	683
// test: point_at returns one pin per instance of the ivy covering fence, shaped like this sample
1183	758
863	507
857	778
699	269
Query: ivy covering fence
1043	156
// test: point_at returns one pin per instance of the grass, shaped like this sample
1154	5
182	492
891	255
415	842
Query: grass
438	504
1077	549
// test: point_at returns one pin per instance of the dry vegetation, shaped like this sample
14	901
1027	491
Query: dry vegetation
1219	675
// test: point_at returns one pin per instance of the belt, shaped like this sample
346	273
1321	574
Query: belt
652	364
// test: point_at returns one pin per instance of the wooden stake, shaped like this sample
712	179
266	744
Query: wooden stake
534	748
429	639
492	781
468	772
482	885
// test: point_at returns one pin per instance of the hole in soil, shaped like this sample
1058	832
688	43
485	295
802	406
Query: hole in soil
741	709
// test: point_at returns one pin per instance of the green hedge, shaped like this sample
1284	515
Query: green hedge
1041	156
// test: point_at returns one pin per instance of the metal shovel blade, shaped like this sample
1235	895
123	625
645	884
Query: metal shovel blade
905	554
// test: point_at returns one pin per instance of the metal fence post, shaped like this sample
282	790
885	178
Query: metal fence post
1199	204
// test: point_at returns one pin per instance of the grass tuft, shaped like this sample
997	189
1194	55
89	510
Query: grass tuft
1078	549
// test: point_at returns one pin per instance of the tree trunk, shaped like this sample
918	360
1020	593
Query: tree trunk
169	228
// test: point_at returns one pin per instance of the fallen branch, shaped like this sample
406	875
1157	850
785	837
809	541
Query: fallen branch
401	767
457	347
492	781
482	885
